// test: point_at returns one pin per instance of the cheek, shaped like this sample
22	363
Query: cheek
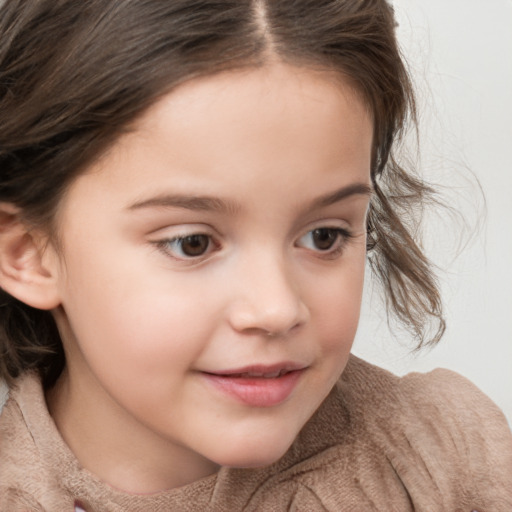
142	330
129	317
337	307
138	347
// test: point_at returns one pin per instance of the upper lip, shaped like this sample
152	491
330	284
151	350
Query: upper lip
260	370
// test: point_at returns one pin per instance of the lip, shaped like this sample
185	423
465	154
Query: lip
258	385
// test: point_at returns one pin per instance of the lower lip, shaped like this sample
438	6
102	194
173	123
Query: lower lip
257	392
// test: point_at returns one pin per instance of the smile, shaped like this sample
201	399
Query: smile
257	387
268	375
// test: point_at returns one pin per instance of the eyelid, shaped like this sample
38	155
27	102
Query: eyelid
174	234
164	245
344	235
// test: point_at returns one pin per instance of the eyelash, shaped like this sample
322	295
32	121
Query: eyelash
165	246
341	238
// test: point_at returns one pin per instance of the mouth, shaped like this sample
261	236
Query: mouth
260	371
252	375
258	386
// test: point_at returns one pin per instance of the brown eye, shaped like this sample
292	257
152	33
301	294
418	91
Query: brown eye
194	245
324	238
185	247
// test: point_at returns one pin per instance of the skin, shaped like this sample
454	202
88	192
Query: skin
141	321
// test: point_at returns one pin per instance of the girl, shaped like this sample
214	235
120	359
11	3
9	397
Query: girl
189	193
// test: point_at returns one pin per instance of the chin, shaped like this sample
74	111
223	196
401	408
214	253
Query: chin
255	451
256	461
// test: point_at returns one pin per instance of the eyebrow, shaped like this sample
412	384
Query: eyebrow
214	204
196	203
340	194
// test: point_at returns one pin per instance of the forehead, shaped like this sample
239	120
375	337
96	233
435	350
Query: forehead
218	115
247	131
300	94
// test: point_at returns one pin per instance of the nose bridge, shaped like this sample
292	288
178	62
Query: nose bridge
268	294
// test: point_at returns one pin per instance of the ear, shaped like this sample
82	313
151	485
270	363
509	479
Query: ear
28	265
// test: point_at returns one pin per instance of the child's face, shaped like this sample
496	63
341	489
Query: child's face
211	242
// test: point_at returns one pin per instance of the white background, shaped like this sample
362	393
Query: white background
460	55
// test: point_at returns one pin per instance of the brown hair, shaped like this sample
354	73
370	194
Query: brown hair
73	75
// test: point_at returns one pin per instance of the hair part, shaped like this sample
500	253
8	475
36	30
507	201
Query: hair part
75	75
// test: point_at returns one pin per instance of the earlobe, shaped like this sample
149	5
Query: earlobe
24	272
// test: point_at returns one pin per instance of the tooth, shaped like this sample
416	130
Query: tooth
256	375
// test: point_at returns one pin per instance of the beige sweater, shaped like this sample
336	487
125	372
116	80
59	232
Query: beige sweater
422	442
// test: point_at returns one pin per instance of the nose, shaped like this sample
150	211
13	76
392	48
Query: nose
267	299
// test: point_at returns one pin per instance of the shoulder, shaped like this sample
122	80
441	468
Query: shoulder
440	397
439	432
447	402
14	432
452	426
17	449
4	393
433	401
447	411
460	433
21	465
